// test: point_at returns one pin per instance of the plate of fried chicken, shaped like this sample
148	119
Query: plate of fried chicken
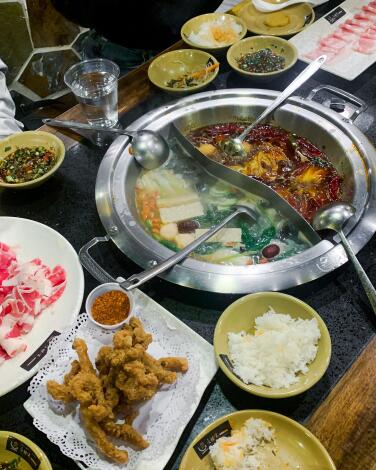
108	398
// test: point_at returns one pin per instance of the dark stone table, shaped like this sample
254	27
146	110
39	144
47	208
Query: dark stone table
66	203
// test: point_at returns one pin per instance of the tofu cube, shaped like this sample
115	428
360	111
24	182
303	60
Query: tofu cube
179	213
225	235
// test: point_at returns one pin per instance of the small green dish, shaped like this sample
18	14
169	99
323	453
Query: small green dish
253	44
32	139
172	65
21	452
193	25
241	315
293	440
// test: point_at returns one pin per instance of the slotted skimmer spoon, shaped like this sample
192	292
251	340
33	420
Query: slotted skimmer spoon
235	146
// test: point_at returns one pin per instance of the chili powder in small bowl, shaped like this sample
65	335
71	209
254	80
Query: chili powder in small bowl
108	306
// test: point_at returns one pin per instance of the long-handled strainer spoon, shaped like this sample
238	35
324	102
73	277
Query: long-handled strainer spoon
138	279
235	146
333	217
150	149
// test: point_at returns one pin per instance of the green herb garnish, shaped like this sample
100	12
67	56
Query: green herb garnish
26	164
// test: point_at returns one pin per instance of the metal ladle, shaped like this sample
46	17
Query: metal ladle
333	217
150	149
235	146
137	280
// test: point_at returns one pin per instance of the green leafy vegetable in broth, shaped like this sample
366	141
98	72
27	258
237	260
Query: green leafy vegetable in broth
178	203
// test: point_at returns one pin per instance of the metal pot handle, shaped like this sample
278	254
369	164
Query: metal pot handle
90	264
362	106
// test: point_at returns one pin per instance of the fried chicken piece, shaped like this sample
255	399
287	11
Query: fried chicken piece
98	412
127	412
125	432
139	387
126	374
120	356
140	335
59	391
75	369
87	389
137	371
62	392
164	376
86	386
112	397
137	332
102	361
130	416
123	339
101	440
111	394
80	347
174	364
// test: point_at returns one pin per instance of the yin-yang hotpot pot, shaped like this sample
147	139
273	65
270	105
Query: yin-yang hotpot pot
345	145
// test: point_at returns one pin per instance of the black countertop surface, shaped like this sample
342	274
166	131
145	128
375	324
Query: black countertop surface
67	203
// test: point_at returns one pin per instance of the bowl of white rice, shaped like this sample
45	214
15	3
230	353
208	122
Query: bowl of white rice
213	32
272	345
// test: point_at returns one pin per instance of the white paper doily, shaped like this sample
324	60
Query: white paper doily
159	419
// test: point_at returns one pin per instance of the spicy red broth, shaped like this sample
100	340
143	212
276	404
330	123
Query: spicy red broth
298	170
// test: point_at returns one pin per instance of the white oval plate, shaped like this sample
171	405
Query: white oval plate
31	240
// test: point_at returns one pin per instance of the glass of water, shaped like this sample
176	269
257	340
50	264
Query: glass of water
95	85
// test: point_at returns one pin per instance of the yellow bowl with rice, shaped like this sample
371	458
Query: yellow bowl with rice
240	317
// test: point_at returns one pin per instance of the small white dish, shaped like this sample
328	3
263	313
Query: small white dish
101	289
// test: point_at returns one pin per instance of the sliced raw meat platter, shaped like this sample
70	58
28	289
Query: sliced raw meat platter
333	43
356	23
349	42
26	289
367	43
363	18
351	28
346	36
370	10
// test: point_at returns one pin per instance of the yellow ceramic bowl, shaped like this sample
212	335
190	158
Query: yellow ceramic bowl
194	24
14	447
241	315
172	65
32	139
253	44
294	442
284	22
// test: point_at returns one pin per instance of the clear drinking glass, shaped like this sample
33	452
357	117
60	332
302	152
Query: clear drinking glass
95	85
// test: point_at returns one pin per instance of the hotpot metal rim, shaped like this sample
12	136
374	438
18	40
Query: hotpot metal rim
236	280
